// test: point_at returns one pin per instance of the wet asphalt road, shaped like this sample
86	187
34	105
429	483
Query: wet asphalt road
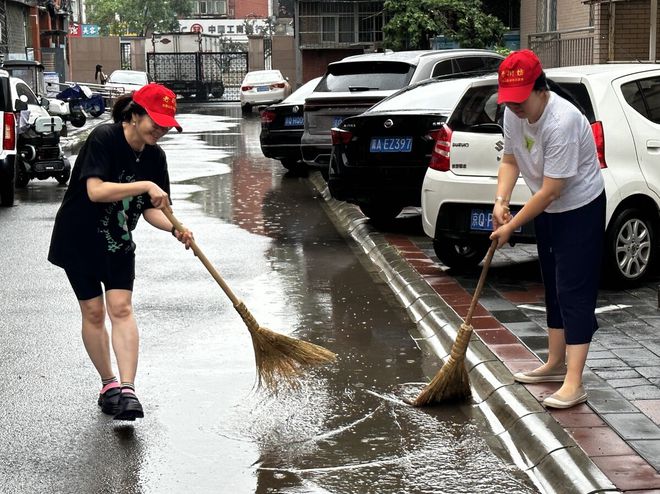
206	430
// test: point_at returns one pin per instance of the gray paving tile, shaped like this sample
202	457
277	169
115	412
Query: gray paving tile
650	371
649	450
649	392
495	303
628	382
641	331
636	356
606	363
615	339
527	328
594	354
608	400
536	343
612	374
506	316
652	345
631	426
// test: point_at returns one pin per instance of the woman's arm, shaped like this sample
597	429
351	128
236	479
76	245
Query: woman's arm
549	191
100	191
506	181
156	218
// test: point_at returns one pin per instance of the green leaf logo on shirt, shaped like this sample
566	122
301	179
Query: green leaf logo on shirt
529	143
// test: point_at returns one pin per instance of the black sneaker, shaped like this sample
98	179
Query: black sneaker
129	407
109	401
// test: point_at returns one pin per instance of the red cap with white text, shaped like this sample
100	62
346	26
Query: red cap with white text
516	76
160	104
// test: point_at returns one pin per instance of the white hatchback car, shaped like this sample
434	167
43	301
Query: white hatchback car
622	103
263	87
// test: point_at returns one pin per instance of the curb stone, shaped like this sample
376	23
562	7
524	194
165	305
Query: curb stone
536	443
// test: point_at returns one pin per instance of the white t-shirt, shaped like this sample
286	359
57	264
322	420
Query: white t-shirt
559	145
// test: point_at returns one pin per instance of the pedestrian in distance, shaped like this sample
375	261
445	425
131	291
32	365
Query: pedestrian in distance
99	75
119	175
549	142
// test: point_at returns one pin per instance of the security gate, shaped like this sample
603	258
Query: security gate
201	75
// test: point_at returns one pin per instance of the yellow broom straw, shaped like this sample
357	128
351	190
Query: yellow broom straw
452	382
280	359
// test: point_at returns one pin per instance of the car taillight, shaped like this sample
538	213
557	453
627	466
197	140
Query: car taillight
278	85
267	117
246	88
440	156
599	137
9	131
341	136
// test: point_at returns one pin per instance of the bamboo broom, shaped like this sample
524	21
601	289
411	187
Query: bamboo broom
452	382
280	359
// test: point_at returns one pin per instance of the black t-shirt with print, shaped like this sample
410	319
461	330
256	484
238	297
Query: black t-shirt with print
87	236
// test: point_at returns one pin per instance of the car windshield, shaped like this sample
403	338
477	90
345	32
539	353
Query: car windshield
299	95
265	76
365	76
128	78
429	95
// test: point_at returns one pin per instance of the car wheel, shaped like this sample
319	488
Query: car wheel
246	109
22	177
7	191
77	119
460	254
63	178
630	246
379	212
294	166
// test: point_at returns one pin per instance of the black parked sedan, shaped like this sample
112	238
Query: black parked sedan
282	127
379	157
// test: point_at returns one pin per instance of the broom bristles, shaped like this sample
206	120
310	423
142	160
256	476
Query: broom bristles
451	382
281	359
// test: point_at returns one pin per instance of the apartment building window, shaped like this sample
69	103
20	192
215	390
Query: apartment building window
213	7
546	16
340	22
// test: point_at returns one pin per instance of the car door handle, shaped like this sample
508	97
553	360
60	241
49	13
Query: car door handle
653	145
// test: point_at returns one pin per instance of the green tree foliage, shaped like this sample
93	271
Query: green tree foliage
139	17
412	22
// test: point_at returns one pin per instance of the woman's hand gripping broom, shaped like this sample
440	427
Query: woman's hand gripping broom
280	359
452	382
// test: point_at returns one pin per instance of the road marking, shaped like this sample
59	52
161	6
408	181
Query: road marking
599	310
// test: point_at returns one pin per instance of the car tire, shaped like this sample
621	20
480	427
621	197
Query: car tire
246	109
630	248
63	178
22	177
77	119
460	254
379	212
7	191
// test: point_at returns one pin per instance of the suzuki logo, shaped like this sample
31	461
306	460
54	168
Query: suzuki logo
388	123
499	145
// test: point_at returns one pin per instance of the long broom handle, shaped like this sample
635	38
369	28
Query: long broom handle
482	280
198	252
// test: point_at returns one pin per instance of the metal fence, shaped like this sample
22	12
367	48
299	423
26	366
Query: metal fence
200	69
564	48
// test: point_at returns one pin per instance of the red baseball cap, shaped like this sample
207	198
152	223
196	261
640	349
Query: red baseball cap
516	76
160	104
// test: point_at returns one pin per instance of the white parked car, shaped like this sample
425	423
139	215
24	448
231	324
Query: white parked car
128	80
263	87
622	103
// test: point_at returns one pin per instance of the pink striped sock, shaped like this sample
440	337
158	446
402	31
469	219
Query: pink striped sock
108	386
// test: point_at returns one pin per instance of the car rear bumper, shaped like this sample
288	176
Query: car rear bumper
400	186
316	155
281	151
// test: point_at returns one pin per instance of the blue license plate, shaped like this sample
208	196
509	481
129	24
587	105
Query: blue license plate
336	121
482	220
390	145
294	121
261	89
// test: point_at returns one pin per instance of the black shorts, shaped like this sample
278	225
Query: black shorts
88	285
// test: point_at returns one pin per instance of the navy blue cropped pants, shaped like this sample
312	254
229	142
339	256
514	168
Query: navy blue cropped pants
570	248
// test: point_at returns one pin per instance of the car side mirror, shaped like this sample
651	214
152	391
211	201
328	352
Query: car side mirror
20	105
44	102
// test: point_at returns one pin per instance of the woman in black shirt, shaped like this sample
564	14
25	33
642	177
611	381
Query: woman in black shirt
119	175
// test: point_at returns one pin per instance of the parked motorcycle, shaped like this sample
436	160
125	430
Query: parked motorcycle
81	100
39	154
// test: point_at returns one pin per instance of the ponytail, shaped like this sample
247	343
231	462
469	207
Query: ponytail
125	107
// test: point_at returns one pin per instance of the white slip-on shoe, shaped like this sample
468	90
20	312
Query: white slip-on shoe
553	401
534	376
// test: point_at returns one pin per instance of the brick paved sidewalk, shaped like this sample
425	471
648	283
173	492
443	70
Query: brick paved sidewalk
619	426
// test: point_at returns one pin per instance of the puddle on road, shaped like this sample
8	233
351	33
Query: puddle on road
346	430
